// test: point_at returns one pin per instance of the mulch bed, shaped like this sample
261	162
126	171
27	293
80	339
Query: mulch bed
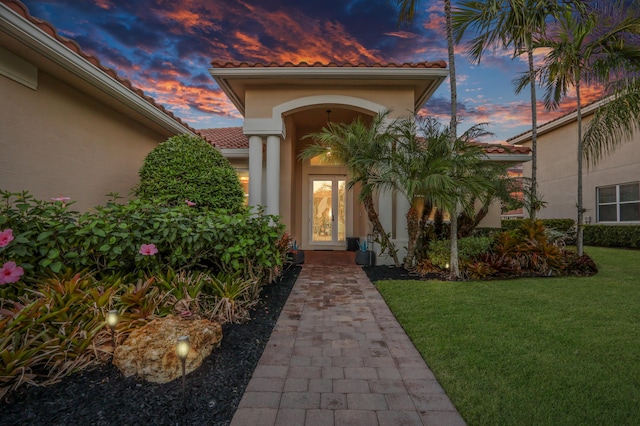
102	396
376	273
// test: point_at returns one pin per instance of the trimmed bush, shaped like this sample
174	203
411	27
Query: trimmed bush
188	168
625	236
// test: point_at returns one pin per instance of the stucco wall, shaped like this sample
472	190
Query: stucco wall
260	101
558	171
58	141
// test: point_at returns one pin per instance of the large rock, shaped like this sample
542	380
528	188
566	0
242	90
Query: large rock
150	351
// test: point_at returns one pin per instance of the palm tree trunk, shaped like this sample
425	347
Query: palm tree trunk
533	203
413	229
454	264
379	230
580	233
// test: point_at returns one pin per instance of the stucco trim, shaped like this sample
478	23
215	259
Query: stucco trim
510	158
42	43
264	126
234	153
351	101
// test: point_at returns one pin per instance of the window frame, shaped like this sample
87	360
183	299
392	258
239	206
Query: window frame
617	203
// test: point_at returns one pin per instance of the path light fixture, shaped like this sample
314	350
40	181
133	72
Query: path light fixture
112	321
182	349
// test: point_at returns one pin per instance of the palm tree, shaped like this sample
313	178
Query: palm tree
407	14
584	49
360	148
508	24
422	165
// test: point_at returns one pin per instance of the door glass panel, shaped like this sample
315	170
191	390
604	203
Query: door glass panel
342	209
322	211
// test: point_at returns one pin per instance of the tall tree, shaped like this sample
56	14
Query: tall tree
359	147
407	14
508	25
584	48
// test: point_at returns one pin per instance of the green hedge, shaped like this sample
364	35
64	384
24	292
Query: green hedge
561	225
625	236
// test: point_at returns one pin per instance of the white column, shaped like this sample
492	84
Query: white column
273	175
402	207
255	170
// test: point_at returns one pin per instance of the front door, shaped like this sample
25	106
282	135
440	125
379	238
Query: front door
328	210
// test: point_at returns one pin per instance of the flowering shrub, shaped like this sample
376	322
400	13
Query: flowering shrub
122	237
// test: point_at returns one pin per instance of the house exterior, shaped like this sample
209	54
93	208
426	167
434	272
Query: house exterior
71	127
611	189
283	103
68	125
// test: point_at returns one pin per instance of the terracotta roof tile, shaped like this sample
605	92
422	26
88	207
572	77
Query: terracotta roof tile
49	29
226	137
505	149
237	64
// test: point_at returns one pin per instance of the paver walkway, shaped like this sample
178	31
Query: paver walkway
338	356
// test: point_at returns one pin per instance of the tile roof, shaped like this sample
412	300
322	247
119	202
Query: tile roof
505	149
49	29
586	109
234	138
237	64
226	137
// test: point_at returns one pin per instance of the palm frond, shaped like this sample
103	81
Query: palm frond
613	124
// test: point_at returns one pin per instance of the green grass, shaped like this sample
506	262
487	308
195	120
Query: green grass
547	351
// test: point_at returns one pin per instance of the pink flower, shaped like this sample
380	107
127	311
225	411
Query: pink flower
190	203
6	237
63	199
148	249
10	273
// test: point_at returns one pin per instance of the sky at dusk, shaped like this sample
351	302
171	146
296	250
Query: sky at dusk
165	48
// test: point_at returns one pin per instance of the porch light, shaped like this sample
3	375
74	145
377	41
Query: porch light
182	350
112	321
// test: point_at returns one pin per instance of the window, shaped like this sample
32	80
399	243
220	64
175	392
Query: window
243	175
619	203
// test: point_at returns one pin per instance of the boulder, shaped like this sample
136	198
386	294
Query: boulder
150	351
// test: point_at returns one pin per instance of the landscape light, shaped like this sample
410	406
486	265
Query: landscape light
112	321
182	349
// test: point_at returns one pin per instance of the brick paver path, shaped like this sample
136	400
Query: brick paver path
337	356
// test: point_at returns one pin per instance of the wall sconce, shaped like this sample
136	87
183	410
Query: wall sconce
112	321
182	349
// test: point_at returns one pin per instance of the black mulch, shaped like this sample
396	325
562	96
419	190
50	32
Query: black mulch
102	396
381	272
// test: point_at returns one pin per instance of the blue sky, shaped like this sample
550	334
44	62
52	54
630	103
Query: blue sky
165	48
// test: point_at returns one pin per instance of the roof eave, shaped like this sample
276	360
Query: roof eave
508	158
557	123
30	35
222	76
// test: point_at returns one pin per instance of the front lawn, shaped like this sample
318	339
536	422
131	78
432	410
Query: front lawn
532	351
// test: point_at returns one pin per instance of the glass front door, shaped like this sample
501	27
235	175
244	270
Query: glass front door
328	209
